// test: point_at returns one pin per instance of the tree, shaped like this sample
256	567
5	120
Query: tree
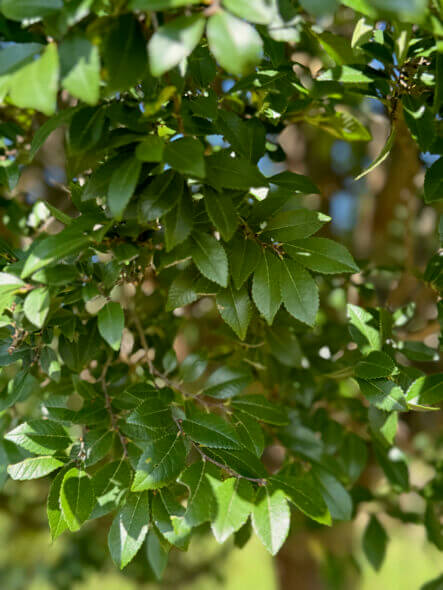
174	345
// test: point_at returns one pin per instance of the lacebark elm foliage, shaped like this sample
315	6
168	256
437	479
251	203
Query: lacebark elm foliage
169	109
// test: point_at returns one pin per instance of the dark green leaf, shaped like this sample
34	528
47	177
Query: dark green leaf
76	498
210	258
266	286
161	462
111	321
374	542
299	292
261	408
236	309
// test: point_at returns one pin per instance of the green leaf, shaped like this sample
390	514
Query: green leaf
367	337
57	524
15	55
151	149
384	394
179	222
222	213
122	185
18	389
243	462
211	430
294	225
36	306
294	182
160	196
34	467
186	156
433	185
126	60
337	498
244	256
426	390
161	462
128	529
235	44
93	447
322	255
341	125
266	286
382	155
54	248
250	433
299	292
76	498
236	309
271	518
344	74
374	542
210	258
259	11
154	413
35	85
27	9
47	128
82	79
247	137
234	500
353	456
224	171
111	321
260	408
174	41
226	382
393	462
9	286
376	365
201	505
156	553
304	494
284	346
181	292
159	4
40	436
110	483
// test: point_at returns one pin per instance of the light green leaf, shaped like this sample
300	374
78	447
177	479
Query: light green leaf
271	518
122	185
9	286
36	306
186	156
383	394
210	258
366	336
235	44
295	225
161	462
266	286
34	467
76	498
322	255
201	505
211	430
111	321
236	309
159	4
259	11
110	482
174	41
344	74
129	528
35	85
234	498
299	292
40	436
377	364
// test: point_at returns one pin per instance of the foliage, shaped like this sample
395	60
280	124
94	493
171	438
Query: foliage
170	231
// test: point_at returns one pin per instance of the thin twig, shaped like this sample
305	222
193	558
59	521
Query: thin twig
108	405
